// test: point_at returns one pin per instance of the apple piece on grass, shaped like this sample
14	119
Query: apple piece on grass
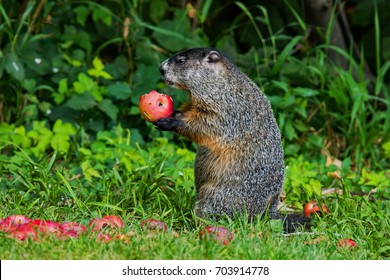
72	229
346	243
16	220
154	106
122	237
153	225
313	207
98	224
115	221
24	232
217	233
46	227
4	227
103	237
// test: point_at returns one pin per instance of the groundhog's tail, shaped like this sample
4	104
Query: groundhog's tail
294	222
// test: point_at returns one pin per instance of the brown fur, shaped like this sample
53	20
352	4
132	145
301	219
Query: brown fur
239	165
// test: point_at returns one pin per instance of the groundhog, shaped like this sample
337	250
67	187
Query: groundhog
239	166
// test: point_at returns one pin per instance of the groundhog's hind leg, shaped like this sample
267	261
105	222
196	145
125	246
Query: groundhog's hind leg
215	202
291	222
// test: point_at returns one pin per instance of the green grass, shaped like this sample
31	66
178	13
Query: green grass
47	190
51	169
350	218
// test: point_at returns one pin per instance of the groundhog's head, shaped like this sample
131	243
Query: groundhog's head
194	68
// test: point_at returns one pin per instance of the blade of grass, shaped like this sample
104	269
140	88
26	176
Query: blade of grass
329	28
107	205
342	52
268	24
100	7
252	20
51	162
78	202
168	33
285	53
26	13
5	16
377	44
205	10
300	21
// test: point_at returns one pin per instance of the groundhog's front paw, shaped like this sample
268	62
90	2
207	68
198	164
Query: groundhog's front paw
166	124
176	114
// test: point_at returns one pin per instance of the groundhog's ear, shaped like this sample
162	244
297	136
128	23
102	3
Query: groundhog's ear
213	56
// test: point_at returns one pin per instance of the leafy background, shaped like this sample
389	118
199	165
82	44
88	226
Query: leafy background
71	73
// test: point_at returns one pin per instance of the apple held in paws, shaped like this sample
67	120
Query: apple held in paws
155	106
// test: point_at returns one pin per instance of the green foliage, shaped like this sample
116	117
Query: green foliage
111	172
302	182
73	146
87	63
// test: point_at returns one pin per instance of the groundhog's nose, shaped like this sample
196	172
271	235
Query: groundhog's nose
162	70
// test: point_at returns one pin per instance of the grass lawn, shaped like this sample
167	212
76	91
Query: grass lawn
356	218
157	182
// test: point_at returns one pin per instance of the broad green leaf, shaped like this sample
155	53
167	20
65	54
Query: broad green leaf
300	110
119	91
103	15
282	85
84	83
63	86
386	148
99	73
14	67
290	130
288	101
89	171
81	14
29	85
60	143
305	92
98	64
109	108
64	128
158	9
84	151
80	102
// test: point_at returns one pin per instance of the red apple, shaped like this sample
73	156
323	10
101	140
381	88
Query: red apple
312	207
217	233
72	229
65	234
46	227
4	227
155	106
115	221
16	220
98	224
24	232
103	237
346	243
154	225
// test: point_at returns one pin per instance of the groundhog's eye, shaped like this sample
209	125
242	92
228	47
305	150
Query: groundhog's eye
181	60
